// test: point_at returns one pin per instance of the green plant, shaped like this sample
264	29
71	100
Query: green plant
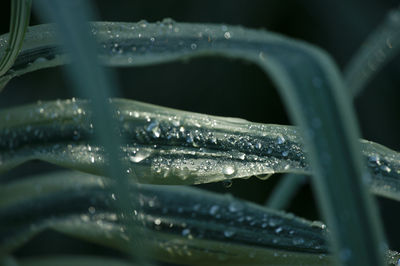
165	146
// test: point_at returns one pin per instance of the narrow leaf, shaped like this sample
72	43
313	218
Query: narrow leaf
167	146
381	46
285	190
95	83
19	21
184	225
73	260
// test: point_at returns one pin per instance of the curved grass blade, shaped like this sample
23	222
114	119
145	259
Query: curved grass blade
378	50
285	190
73	260
381	46
20	15
311	87
185	225
167	146
93	82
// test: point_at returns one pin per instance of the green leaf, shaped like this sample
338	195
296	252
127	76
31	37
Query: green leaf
183	224
381	46
285	190
167	146
73	260
311	87
19	21
93	82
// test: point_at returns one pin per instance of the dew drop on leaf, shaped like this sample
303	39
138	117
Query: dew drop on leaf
185	232
227	183
235	206
139	155
229	170
214	209
280	139
229	233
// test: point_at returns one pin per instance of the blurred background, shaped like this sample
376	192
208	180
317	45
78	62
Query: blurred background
233	88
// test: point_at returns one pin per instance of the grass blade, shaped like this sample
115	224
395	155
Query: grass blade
381	46
285	190
73	260
178	221
168	146
315	96
19	21
194	225
93	82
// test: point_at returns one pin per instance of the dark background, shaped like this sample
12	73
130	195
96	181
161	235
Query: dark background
232	88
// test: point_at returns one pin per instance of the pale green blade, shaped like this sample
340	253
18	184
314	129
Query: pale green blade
19	21
91	81
167	146
182	224
285	190
63	260
381	46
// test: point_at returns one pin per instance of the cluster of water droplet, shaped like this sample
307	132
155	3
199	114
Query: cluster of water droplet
231	219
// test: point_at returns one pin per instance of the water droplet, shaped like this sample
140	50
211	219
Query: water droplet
140	155
228	170
154	129
235	207
264	225
91	210
40	60
374	159
214	209
318	224
272	222
278	230
227	183
280	140
264	176
229	233
385	168
193	46
152	39
227	35
298	241
185	232
157	221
